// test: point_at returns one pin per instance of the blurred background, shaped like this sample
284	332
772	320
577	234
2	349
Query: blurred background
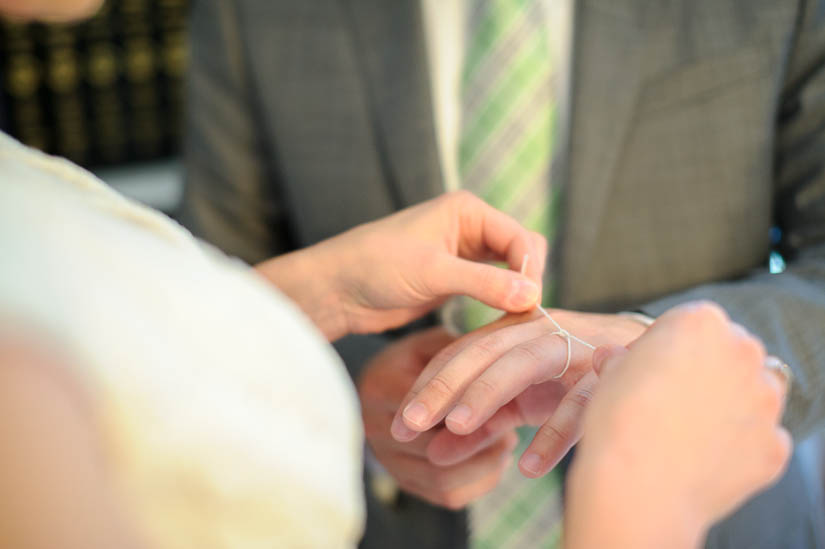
106	93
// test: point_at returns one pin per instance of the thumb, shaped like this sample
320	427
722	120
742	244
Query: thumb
606	358
493	286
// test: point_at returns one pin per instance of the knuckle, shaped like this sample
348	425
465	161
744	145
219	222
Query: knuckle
714	311
487	347
440	388
753	351
771	401
462	197
445	355
707	313
580	396
528	353
551	435
484	388
776	459
453	503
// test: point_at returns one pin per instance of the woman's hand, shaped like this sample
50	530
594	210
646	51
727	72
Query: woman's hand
384	274
683	428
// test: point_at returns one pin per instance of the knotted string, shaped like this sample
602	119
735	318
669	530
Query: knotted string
561	332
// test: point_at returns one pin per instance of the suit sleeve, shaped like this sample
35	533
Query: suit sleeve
787	310
232	195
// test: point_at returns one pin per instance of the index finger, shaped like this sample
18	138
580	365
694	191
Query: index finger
432	398
399	429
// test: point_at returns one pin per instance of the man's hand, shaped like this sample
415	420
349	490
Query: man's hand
506	372
384	274
441	467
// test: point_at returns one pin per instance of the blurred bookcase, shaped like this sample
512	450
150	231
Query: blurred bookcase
104	92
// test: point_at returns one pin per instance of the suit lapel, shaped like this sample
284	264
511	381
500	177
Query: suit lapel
389	41
606	74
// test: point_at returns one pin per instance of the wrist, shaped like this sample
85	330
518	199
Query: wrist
611	506
309	278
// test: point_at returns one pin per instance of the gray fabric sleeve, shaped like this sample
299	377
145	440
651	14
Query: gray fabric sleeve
357	350
232	190
232	193
788	312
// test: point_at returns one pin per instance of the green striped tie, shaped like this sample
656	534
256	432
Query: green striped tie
505	155
520	513
508	120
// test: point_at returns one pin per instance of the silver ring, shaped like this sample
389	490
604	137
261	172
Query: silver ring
777	366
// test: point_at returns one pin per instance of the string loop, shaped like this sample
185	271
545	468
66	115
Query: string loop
561	332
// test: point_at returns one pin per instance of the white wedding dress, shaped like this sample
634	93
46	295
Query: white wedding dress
230	422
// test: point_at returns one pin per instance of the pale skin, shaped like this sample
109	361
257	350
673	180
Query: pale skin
384	274
45	502
654	468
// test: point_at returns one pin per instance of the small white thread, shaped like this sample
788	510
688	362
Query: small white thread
561	332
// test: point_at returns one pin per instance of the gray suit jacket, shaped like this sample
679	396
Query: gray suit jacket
696	126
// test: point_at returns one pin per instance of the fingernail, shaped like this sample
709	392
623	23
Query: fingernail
401	432
531	463
523	293
416	413
460	415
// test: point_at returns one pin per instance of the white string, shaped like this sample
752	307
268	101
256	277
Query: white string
561	332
